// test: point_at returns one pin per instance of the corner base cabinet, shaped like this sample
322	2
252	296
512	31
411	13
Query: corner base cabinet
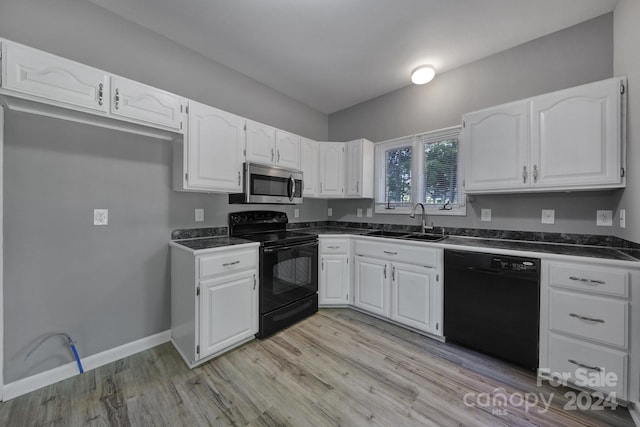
214	300
334	275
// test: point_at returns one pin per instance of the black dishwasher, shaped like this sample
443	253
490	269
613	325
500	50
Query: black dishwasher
492	304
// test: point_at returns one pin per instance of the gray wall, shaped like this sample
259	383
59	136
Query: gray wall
577	55
107	286
627	62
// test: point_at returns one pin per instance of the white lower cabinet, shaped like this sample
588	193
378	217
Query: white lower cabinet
407	293
372	285
214	300
413	299
586	327
228	311
334	281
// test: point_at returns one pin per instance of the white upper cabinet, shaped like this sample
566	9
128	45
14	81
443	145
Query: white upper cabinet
576	136
309	166
496	142
211	157
332	158
359	169
287	150
51	78
147	104
571	139
270	146
261	143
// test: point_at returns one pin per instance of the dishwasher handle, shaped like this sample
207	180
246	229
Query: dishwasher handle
486	271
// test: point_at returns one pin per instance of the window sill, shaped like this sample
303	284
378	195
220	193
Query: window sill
461	211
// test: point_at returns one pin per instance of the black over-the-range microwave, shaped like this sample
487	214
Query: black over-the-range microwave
269	185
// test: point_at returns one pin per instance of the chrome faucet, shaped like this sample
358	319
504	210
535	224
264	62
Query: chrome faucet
424	226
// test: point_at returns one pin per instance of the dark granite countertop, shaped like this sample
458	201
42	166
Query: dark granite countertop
210	242
548	248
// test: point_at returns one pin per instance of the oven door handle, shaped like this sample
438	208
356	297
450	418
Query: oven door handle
284	248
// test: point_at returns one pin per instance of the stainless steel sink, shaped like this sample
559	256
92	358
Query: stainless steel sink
425	237
387	233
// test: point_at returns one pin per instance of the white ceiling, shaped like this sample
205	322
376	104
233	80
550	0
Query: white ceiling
331	54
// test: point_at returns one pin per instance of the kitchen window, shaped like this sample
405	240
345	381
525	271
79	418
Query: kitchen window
423	168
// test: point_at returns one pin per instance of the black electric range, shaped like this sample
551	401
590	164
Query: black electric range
288	268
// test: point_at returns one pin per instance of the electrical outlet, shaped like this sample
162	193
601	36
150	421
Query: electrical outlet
623	218
101	217
604	218
199	215
296	213
369	212
329	212
485	215
548	216
359	213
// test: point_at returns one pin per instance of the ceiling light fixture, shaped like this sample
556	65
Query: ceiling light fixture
423	74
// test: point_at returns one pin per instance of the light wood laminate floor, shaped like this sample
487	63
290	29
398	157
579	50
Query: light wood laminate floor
337	368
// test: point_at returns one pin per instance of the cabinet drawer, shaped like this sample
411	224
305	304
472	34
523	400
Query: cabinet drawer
334	246
599	319
224	262
584	362
407	254
601	280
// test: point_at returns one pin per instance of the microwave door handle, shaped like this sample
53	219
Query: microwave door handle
292	187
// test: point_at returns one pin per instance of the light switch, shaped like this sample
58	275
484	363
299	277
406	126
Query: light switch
623	218
369	212
548	216
329	212
199	215
485	215
101	217
296	213
604	218
359	213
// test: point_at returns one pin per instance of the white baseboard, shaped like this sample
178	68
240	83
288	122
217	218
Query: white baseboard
634	410
43	379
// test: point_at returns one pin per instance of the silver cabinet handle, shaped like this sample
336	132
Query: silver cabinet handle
357	186
227	264
322	264
390	253
393	273
333	247
100	93
385	271
239	175
117	99
582	365
254	282
278	156
524	174
588	319
535	173
272	155
584	280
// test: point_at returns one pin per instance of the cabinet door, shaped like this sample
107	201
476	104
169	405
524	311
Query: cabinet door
353	169
334	280
309	167
147	104
331	169
575	136
287	150
47	76
413	296
372	285
496	148
214	144
228	311
261	143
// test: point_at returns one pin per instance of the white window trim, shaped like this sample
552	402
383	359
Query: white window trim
416	171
